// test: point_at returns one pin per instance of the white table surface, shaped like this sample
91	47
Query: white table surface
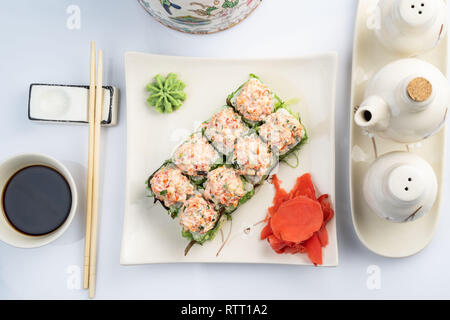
36	46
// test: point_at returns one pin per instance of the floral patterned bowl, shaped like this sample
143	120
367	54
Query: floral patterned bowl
201	16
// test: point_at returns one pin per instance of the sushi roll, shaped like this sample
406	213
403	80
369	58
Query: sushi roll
195	157
283	131
170	187
254	101
223	129
199	219
227	189
253	158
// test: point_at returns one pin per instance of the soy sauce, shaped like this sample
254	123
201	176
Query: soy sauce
37	200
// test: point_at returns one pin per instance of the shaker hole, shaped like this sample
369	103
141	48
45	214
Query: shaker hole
367	115
406	189
409	179
422	4
412	6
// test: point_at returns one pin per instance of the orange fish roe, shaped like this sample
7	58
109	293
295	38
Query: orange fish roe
195	156
252	156
282	130
223	129
197	215
224	186
169	185
254	101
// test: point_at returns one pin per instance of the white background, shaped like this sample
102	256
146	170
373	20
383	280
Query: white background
36	46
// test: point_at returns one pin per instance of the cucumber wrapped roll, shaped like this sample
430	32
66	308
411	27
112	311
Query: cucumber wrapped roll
253	158
223	129
170	187
254	101
283	131
199	220
227	189
195	157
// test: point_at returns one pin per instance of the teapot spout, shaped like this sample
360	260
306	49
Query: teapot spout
373	114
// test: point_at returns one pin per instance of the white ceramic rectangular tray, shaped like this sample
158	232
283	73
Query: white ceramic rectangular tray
381	236
149	234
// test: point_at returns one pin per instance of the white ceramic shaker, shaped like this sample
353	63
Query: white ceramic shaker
411	27
406	101
400	186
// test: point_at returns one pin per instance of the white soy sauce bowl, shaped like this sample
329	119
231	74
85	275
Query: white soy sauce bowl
400	187
8	168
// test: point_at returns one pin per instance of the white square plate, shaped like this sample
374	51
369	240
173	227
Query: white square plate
149	234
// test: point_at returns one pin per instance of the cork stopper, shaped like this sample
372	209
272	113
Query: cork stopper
419	89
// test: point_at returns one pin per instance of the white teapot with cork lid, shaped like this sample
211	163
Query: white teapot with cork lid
411	26
406	101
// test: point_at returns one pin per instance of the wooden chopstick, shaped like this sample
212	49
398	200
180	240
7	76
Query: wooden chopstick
97	125
87	241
